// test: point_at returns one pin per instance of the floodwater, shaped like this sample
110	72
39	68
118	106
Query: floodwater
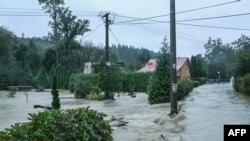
201	118
208	108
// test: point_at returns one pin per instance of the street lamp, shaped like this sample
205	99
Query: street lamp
219	59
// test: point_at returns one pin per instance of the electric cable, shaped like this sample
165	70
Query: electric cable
218	27
197	19
218	17
93	31
148	28
114	36
186	11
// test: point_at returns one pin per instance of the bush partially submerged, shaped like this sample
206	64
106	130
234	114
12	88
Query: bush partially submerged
196	83
184	87
12	91
81	124
95	94
242	84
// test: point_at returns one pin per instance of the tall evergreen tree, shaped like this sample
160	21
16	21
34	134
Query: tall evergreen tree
197	66
56	101
199	63
193	67
159	85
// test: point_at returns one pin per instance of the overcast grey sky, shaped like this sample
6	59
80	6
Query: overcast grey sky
190	39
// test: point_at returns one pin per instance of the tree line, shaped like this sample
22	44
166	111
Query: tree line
31	61
224	59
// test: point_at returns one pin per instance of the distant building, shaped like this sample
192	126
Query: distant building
150	66
87	68
183	67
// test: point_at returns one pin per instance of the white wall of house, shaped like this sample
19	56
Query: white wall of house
87	68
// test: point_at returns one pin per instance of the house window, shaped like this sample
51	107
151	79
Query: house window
150	64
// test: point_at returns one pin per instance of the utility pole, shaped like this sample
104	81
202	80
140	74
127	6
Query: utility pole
173	93
107	84
107	22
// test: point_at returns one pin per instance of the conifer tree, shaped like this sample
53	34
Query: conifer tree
56	101
159	85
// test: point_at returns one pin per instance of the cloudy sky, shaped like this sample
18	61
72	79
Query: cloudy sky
26	16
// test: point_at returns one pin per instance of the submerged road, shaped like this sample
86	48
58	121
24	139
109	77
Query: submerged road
208	108
202	117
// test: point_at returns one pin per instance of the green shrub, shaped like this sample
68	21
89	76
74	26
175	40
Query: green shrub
242	84
40	88
126	81
95	94
135	82
3	82
72	80
76	80
158	90
184	87
196	83
201	80
12	91
237	84
81	124
111	81
84	87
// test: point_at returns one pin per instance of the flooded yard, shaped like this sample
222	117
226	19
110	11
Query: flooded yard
202	116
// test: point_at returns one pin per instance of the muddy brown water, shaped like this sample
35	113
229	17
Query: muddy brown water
201	118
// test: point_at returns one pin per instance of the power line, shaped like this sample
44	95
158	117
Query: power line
29	9
34	12
93	31
149	29
23	15
219	27
191	10
19	9
114	36
41	15
21	12
218	17
207	18
207	26
206	7
162	31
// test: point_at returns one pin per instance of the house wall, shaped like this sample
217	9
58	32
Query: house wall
87	68
184	72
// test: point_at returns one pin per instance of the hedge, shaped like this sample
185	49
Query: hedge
128	81
135	82
184	87
242	84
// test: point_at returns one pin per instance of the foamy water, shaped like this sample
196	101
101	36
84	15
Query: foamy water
203	114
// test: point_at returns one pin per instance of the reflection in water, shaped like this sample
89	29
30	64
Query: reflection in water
203	114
